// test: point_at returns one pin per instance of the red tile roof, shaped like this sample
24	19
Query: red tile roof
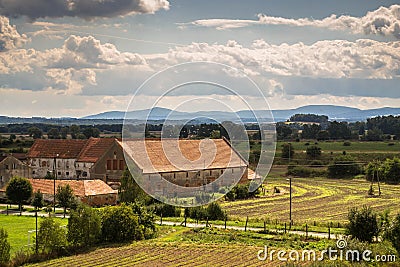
66	149
83	150
81	188
94	149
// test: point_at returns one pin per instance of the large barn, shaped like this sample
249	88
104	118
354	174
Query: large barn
187	163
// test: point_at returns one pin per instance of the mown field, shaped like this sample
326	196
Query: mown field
319	200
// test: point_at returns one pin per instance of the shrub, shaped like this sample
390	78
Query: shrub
343	166
394	233
145	218
84	226
4	248
167	210
198	213
51	236
241	191
300	171
120	224
313	152
215	212
363	224
346	143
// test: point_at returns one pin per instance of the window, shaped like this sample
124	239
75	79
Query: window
67	173
115	164
84	174
44	163
6	167
109	164
115	155
122	164
58	173
33	172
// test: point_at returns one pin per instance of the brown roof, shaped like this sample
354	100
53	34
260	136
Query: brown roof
169	156
94	149
81	188
66	149
83	150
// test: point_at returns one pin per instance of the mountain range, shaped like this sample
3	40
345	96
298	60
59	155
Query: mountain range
340	113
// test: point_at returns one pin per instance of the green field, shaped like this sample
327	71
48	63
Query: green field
18	227
319	200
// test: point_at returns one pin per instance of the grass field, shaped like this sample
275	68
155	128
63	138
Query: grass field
18	227
319	200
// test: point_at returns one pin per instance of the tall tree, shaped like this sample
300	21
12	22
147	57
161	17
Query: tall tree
74	130
130	191
65	196
53	133
19	190
37	200
35	132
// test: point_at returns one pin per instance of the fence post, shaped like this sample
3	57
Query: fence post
185	219
7	209
245	227
306	231
285	228
265	227
161	218
226	218
207	222
329	231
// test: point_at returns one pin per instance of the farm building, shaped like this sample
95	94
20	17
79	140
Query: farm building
91	192
187	163
10	166
94	158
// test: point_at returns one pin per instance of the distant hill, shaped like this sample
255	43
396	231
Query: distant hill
333	112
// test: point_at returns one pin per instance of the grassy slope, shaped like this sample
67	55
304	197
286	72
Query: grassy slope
18	227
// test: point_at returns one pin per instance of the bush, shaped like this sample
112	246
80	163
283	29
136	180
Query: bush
300	171
4	248
84	226
51	236
394	233
215	212
120	224
146	219
313	152
167	210
363	224
241	191
347	143
343	166
197	213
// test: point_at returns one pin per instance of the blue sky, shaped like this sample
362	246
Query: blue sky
74	58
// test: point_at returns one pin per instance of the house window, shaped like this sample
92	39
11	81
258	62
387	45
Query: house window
67	173
6	167
109	164
84	174
59	173
44	163
187	174
121	165
33	172
115	155
115	164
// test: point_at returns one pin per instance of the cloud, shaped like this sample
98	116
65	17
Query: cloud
384	21
363	58
87	9
9	36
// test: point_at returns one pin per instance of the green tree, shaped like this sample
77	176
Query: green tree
363	224
91	132
37	200
343	166
120	224
130	191
19	190
53	133
394	233
35	132
65	196
51	236
4	248
215	212
310	131
313	152
374	134
391	170
64	132
74	130
84	226
287	151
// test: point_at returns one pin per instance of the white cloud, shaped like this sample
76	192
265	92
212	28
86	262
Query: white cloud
87	9
384	21
9	36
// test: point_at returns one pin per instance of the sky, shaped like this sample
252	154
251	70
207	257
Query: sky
72	58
